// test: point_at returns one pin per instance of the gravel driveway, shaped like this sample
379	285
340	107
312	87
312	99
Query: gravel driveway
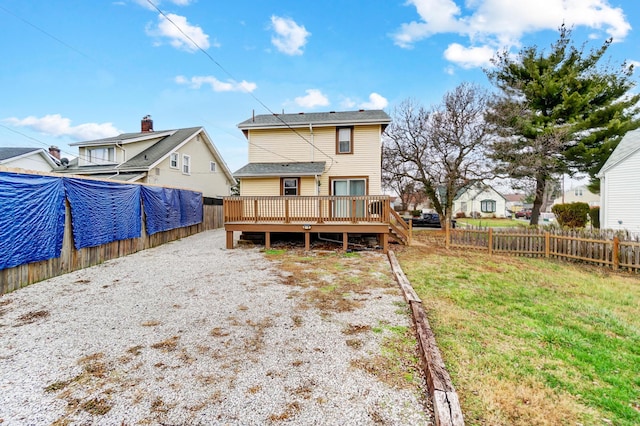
190	333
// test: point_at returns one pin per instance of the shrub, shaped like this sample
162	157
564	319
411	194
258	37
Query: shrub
573	215
594	215
460	215
416	213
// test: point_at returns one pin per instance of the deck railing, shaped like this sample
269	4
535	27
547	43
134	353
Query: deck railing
307	209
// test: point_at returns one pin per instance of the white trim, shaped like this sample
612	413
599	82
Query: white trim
177	155
186	162
213	167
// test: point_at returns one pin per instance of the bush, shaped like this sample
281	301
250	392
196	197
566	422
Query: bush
460	215
416	213
573	215
594	215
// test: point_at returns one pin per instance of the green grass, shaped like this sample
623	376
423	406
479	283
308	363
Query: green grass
528	341
493	223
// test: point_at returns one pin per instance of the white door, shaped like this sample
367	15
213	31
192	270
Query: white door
346	187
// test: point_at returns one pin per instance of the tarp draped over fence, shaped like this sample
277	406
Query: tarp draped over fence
102	212
161	209
190	207
32	216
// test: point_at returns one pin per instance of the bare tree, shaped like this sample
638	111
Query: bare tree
442	149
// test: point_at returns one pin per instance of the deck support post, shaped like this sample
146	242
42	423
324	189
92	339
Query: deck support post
307	241
385	242
267	240
345	241
229	239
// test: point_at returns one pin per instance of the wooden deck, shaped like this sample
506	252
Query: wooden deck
311	214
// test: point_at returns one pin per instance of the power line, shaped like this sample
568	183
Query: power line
233	78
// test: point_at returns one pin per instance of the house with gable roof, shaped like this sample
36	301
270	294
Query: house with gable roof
184	158
619	189
312	173
30	158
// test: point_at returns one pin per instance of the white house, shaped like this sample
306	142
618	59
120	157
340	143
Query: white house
30	158
620	186
579	194
479	199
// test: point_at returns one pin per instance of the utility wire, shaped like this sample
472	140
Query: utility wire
233	78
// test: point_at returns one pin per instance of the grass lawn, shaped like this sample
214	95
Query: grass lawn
529	341
493	223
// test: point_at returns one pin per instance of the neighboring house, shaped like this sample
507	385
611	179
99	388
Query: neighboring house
578	194
619	189
514	202
184	158
329	153
478	199
321	172
30	158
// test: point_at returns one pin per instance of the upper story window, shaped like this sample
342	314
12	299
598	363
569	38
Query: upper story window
578	192
186	164
101	155
173	161
213	167
290	186
488	206
344	140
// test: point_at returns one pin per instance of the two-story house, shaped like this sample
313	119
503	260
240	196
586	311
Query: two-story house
183	158
313	173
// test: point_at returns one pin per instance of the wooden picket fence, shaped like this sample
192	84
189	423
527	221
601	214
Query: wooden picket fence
604	248
72	260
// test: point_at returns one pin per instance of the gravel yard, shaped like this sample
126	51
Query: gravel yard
189	333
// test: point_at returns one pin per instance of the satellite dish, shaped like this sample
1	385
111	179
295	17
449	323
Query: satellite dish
64	161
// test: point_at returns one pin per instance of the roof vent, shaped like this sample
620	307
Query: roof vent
332	112
301	113
360	110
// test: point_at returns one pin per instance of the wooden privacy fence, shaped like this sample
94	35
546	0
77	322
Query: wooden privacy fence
603	248
72	260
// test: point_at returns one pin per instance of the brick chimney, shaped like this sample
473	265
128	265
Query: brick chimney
146	124
54	151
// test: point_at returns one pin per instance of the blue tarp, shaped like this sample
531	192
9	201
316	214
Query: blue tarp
161	208
31	218
102	212
190	207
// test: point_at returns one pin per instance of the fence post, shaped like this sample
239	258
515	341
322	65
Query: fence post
490	241
616	252
547	244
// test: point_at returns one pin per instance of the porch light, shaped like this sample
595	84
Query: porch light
306	227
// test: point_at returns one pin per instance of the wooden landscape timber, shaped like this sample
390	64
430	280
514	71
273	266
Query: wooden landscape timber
446	405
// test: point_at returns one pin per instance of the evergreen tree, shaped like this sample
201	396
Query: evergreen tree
559	112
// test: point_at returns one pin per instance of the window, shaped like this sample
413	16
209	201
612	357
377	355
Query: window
488	206
173	161
101	155
463	206
344	140
290	186
186	164
212	166
578	192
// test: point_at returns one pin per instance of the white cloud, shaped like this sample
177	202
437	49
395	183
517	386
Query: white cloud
469	57
289	37
56	125
347	103
313	98
376	101
147	5
196	82
179	37
498	24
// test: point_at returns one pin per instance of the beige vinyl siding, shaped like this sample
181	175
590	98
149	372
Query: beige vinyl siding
30	162
211	184
127	151
365	160
253	187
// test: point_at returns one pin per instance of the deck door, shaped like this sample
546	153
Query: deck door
344	187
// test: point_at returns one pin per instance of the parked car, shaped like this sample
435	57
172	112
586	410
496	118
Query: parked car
524	214
430	220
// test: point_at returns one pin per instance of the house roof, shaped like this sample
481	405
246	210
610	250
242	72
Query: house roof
280	169
514	198
332	118
629	144
13	153
169	141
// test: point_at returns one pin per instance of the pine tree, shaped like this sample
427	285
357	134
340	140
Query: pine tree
559	112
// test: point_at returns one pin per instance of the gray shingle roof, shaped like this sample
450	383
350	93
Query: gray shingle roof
629	144
7	153
316	118
280	169
158	150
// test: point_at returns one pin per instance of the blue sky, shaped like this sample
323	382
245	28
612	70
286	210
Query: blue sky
81	70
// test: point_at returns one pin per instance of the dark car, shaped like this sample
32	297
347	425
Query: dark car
430	220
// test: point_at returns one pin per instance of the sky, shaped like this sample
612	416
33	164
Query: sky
81	70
